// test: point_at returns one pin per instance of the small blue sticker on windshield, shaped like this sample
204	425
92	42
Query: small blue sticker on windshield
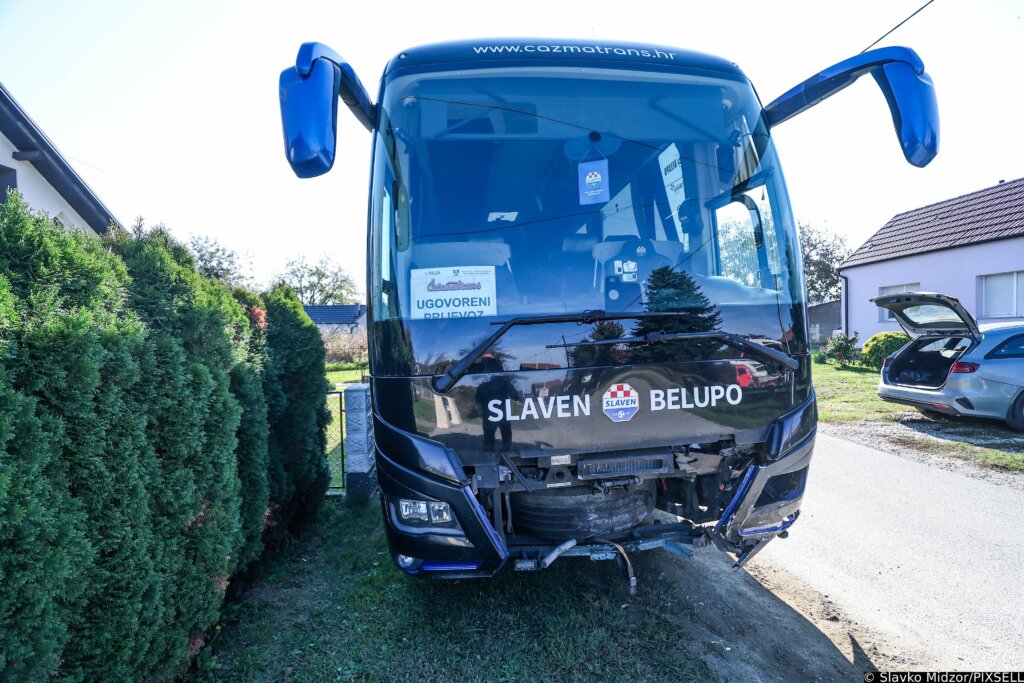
593	181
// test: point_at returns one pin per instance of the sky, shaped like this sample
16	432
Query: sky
169	111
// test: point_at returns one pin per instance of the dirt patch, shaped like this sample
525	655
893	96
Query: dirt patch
857	643
761	623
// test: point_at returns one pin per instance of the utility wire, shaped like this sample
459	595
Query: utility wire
896	26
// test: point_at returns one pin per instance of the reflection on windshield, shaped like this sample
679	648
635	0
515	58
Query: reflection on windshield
497	387
678	292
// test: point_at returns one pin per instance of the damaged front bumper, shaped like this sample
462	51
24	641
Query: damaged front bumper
765	504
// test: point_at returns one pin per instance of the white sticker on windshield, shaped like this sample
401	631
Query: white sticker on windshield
456	292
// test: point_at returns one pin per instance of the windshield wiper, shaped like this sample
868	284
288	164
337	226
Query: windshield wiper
777	358
461	367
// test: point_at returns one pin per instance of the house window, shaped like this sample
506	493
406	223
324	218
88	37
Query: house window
1002	295
884	313
8	181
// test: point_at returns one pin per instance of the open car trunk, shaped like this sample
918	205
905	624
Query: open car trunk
927	361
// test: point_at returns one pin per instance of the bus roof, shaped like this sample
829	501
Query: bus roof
556	50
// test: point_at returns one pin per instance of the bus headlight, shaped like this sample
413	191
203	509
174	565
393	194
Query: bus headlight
791	430
440	513
413	510
425	513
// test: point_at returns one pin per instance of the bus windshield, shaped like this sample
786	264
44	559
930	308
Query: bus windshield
505	192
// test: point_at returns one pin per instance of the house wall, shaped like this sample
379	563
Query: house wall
37	192
956	272
824	320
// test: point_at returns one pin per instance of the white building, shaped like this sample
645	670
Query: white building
30	163
970	247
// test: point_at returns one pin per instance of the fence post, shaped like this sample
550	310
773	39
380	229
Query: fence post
361	468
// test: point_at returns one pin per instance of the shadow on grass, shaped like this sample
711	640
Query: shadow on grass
334	607
988	442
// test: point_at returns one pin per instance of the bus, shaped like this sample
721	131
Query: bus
586	306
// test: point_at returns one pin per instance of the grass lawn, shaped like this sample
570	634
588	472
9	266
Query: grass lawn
849	394
345	376
335	438
334	607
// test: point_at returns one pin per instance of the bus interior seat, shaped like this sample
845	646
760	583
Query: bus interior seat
670	249
446	254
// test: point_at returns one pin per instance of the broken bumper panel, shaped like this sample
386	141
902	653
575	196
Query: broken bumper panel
767	501
474	549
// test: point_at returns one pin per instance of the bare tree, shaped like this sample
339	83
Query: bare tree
321	283
220	263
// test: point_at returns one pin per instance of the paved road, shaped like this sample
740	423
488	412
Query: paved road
918	552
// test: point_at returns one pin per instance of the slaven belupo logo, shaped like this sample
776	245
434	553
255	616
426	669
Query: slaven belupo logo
620	402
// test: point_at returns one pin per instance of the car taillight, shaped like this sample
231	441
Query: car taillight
961	367
885	361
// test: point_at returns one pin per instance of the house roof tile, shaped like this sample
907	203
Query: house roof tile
342	314
993	213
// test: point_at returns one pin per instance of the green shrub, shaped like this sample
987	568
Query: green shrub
198	328
819	357
42	547
134	463
841	349
296	408
247	380
75	357
878	347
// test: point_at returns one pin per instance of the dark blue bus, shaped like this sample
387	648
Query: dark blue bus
586	297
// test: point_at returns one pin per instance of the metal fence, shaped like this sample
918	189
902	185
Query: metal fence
336	442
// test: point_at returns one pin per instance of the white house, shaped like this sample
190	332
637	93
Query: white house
30	163
970	247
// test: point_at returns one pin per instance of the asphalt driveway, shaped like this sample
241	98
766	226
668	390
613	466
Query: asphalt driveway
928	556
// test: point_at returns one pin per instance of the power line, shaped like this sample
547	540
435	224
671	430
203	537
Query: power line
896	26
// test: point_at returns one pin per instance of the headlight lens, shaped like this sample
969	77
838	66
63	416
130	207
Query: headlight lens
426	513
791	430
413	510
440	513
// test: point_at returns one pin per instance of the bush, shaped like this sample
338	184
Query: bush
42	547
296	390
819	357
199	332
134	474
76	351
347	349
880	346
247	381
841	349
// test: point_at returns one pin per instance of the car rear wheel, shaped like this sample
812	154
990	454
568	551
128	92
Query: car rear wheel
1016	416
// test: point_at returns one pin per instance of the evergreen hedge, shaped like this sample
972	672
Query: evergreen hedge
296	386
146	415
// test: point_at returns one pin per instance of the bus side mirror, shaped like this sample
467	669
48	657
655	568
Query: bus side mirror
908	90
309	95
309	116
